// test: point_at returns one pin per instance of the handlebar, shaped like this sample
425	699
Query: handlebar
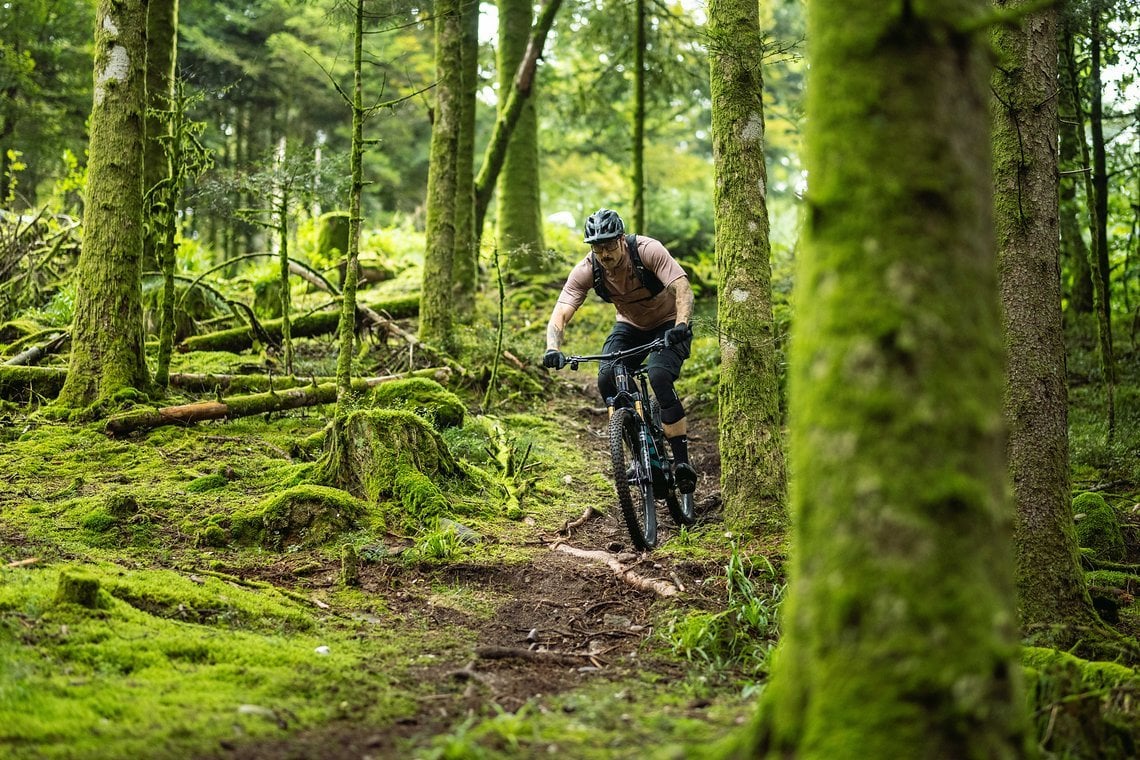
613	356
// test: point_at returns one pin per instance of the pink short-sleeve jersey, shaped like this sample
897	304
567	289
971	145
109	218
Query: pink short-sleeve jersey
632	300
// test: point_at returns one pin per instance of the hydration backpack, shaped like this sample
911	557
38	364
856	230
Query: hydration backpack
648	279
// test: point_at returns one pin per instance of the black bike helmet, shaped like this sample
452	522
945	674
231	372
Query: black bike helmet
603	225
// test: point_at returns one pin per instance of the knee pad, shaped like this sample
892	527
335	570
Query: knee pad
662	381
607	386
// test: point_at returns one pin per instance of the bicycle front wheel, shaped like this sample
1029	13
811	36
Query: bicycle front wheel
633	479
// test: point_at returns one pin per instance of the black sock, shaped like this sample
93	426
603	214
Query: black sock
680	446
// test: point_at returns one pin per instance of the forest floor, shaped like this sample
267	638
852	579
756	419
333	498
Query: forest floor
508	647
198	641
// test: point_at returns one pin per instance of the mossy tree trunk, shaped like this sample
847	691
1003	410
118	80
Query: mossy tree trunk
346	329
161	53
509	113
519	208
1054	604
107	337
437	325
752	460
466	267
162	154
900	638
637	168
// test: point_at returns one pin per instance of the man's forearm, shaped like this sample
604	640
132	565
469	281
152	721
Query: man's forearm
554	335
683	295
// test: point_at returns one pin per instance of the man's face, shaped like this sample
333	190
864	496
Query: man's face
608	252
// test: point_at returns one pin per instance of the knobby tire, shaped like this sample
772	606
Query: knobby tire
635	492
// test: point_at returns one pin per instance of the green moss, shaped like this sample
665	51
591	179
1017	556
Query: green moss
1082	708
1098	527
77	587
306	514
99	520
206	483
423	396
136	680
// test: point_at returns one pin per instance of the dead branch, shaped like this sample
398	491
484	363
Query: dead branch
30	356
640	582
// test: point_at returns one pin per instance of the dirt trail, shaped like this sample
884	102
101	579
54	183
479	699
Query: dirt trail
568	622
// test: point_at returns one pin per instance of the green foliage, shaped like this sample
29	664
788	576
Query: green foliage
743	634
169	666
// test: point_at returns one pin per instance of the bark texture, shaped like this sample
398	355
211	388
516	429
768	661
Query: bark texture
519	230
1050	583
437	324
107	339
900	637
752	460
466	268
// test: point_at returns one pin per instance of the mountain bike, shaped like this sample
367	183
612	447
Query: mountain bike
642	464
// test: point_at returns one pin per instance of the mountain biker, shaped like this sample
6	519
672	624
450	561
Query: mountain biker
643	315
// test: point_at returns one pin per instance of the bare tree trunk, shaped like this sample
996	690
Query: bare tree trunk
1054	604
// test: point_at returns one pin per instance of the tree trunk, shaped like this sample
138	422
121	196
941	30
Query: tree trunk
346	321
466	267
519	231
1050	582
637	168
161	53
501	132
107	340
752	461
1098	267
899	637
241	339
1074	252
437	325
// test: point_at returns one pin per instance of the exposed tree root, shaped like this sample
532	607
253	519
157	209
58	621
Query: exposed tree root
656	585
507	653
571	525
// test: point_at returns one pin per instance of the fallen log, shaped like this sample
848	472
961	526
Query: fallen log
32	355
23	383
656	585
241	406
240	339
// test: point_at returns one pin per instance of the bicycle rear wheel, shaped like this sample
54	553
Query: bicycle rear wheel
632	477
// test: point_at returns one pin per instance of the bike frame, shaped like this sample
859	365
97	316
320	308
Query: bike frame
652	435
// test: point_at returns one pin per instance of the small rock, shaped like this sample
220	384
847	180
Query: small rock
322	650
620	622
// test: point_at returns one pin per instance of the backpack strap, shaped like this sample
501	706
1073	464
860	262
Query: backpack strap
600	279
648	277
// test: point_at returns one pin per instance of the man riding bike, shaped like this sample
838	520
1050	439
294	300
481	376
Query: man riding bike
653	300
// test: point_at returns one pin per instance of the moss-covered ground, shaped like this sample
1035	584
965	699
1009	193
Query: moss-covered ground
199	592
